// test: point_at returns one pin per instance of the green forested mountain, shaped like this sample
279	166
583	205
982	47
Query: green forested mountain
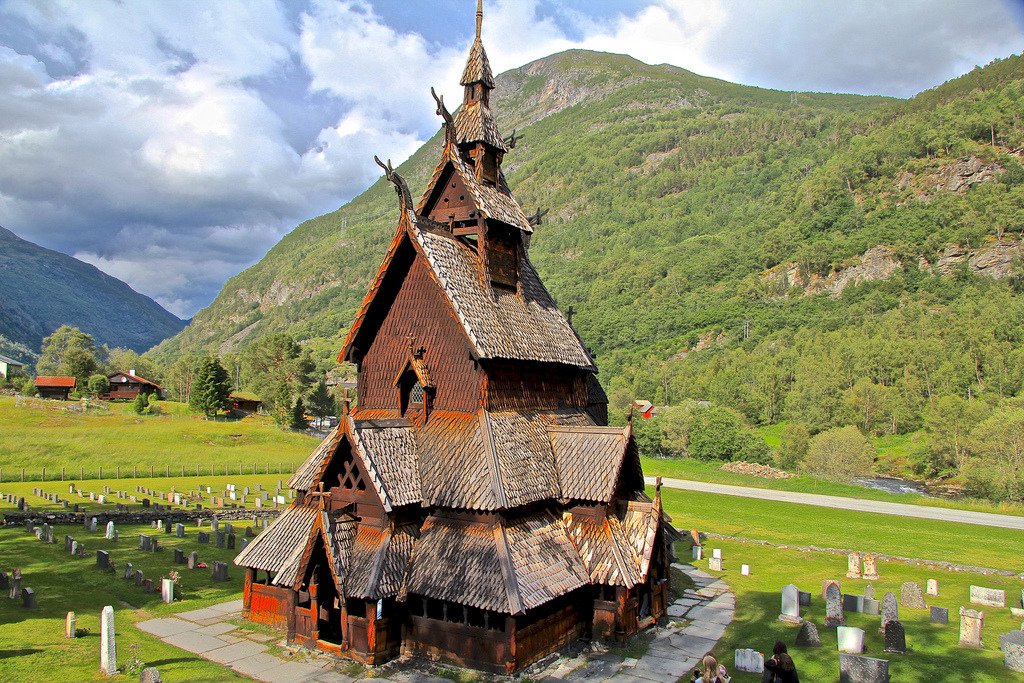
783	254
43	289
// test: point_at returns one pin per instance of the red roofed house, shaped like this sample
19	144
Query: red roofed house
473	508
54	387
125	386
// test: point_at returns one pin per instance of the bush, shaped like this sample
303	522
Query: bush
995	467
28	387
98	384
717	434
840	454
140	405
793	448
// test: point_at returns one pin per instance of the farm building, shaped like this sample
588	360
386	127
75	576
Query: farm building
10	367
55	387
473	508
245	402
126	386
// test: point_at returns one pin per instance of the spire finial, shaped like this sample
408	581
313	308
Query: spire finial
479	17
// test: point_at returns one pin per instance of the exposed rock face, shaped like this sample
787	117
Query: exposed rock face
877	263
994	260
960	176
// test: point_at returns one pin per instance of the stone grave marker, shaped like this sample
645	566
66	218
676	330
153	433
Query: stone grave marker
871	607
911	597
75	547
939	615
853	603
109	535
744	570
150	675
869	592
853	566
179	556
179	530
203	537
804	598
989	597
890	610
220	539
971	624
70	631
895	637
215	524
193	559
147	585
129	572
154	545
829	582
932	587
167	590
115	535
808	635
697	552
870	567
28	598
138	577
850	639
108	648
220	571
716	553
833	607
750	661
715	564
861	669
167	526
790	605
145	542
102	559
1012	645
92	525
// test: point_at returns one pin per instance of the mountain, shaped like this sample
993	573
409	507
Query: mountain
697	225
44	289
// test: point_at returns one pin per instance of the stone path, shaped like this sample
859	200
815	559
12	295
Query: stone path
702	613
856	504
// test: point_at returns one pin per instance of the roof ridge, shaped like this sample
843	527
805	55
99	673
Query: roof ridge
617	551
508	570
378	561
497	484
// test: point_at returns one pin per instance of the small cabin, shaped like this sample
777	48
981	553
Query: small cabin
9	367
245	402
58	388
126	386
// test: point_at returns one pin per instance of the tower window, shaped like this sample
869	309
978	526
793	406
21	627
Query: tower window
416	394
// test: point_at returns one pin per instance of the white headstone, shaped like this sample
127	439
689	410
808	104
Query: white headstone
108	650
933	587
851	640
167	590
750	661
716	553
698	552
715	564
110	530
745	569
790	604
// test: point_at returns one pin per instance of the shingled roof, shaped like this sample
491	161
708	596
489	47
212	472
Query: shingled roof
474	122
279	548
478	66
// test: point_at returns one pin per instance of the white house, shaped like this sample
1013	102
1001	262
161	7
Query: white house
8	366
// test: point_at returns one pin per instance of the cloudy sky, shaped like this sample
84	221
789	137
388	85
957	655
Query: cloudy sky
171	143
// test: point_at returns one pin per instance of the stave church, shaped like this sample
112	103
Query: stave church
472	507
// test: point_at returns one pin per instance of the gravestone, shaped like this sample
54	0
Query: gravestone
853	566
939	615
229	528
895	637
75	547
870	567
833	607
910	596
697	552
805	599
714	563
28	598
70	630
871	607
890	610
167	590
92	525
869	592
971	624
167	527
932	587
102	559
150	675
108	648
147	585
860	669
220	571
744	570
110	530
145	542
1012	645
179	530
129	572
214	524
853	603
245	542
808	635
179	556
989	597
850	639
193	559
750	661
716	553
154	545
790	605
231	546
829	582
220	539
139	578
203	537
115	535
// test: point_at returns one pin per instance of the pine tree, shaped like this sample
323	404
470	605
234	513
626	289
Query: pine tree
298	416
211	389
321	403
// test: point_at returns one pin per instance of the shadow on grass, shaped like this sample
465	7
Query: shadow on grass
7	654
168	661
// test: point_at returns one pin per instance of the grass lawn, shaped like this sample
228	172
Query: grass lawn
806	525
32	643
696	470
52	437
933	651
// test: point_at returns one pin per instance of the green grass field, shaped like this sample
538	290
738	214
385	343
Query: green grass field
933	651
54	438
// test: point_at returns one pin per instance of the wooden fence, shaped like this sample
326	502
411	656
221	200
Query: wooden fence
10	474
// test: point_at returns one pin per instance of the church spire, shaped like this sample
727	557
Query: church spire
479	17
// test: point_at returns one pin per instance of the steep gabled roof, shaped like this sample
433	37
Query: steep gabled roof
134	378
592	460
474	122
478	66
53	381
279	548
11	361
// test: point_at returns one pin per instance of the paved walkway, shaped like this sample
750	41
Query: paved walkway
702	614
857	504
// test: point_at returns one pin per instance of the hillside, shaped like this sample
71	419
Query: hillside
44	289
763	249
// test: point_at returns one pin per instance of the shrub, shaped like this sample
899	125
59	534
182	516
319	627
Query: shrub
840	454
793	448
98	384
716	434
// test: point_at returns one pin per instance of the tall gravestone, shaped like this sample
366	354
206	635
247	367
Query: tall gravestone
932	587
110	530
102	559
167	590
971	624
853	566
193	560
870	567
70	630
895	637
108	648
911	597
790	605
890	610
833	607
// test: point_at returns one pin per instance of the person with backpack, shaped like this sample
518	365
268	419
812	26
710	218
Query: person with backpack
712	671
780	667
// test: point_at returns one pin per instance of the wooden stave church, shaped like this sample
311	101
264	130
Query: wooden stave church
473	507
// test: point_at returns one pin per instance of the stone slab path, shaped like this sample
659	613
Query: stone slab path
706	610
856	504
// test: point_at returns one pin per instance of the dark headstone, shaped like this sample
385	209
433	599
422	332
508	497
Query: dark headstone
138	577
895	637
147	585
940	615
145	542
203	537
155	546
808	635
102	559
179	556
231	541
28	598
145	502
860	669
853	603
911	596
220	539
805	599
220	571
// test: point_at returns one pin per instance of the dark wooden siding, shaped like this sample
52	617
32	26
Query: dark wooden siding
534	386
419	308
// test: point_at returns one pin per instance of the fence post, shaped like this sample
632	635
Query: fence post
183	470
118	471
136	475
101	471
152	469
43	477
81	472
62	474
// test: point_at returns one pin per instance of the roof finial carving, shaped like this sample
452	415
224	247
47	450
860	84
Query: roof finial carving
479	17
401	187
442	111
